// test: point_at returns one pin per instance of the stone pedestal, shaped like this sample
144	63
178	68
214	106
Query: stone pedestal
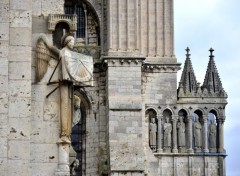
212	150
181	150
167	150
63	159
198	150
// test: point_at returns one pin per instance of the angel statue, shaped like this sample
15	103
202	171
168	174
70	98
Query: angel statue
67	67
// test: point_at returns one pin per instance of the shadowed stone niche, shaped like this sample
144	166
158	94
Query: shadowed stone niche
198	131
182	131
167	131
212	131
153	129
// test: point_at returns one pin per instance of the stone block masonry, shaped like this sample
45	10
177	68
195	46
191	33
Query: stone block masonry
15	85
125	119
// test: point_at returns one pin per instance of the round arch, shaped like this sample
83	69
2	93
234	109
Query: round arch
152	108
215	112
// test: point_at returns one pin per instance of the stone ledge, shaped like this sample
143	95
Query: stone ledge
189	154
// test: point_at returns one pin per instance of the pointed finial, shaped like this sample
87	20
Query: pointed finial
188	50
211	53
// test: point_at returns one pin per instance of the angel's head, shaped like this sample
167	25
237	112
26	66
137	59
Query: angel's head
69	42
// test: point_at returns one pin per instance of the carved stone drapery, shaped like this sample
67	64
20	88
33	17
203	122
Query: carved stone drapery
197	135
153	134
212	136
181	135
167	135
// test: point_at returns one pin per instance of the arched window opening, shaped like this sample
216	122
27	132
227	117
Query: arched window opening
88	28
78	138
69	10
58	33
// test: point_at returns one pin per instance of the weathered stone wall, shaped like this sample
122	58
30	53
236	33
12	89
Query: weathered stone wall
159	87
15	86
124	124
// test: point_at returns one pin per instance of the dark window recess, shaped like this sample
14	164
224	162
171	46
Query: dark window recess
81	19
58	33
78	142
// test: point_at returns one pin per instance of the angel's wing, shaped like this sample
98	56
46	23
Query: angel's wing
45	51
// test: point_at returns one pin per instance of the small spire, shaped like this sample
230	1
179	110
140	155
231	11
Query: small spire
212	80
188	79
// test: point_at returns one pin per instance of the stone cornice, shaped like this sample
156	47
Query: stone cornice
156	68
112	61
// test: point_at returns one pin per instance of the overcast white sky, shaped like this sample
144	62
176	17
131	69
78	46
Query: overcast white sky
201	24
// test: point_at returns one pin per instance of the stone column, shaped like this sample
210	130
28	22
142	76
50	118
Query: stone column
190	135
63	159
221	121
205	134
174	139
159	133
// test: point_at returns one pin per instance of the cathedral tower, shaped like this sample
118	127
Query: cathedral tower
109	105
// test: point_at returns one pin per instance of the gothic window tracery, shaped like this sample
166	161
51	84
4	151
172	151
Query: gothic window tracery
88	28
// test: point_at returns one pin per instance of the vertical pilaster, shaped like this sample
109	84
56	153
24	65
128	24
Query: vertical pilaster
174	121
128	37
136	26
148	28
172	28
159	148
205	134
190	135
110	42
168	28
221	121
157	26
119	24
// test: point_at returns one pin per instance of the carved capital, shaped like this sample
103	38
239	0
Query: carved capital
221	120
205	119
189	118
174	118
159	117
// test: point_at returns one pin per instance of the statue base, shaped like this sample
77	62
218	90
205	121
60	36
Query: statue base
190	151
212	150
63	158
167	150
181	149
198	150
